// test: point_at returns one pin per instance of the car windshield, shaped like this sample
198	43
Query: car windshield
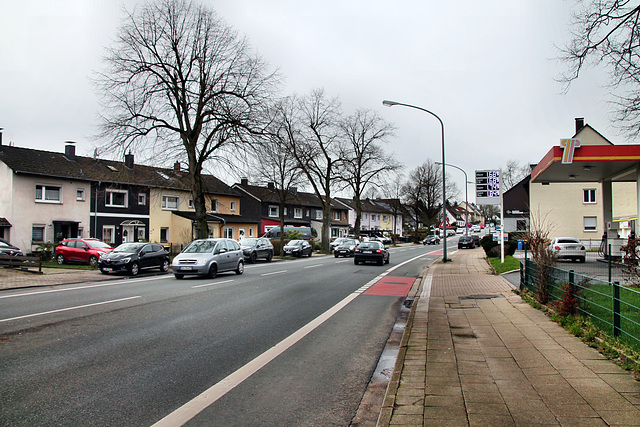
248	242
97	244
295	243
128	248
348	242
4	244
370	245
200	246
573	241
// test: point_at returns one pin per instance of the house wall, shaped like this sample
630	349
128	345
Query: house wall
6	200
25	212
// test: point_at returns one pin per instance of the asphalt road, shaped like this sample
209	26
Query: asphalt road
133	351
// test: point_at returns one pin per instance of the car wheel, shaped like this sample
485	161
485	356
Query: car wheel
165	266
240	268
60	259
253	258
134	269
356	262
213	271
103	271
583	259
381	262
179	276
387	261
270	256
93	261
310	253
335	254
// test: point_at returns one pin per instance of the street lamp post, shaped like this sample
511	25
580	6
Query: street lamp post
466	197
387	103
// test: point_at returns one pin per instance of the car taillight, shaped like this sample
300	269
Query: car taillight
378	251
357	250
582	248
557	248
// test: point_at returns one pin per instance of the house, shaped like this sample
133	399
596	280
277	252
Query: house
375	215
51	196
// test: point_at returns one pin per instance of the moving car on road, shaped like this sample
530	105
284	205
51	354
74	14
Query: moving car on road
298	248
569	248
466	242
371	251
209	257
81	250
254	248
431	240
346	248
337	242
133	257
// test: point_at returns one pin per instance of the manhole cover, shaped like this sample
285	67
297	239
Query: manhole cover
482	296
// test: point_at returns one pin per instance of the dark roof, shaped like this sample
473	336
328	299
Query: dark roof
50	164
270	195
367	205
215	217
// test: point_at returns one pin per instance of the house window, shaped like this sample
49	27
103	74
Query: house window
250	231
232	206
385	218
297	213
116	198
590	223
80	194
228	232
142	199
273	211
48	194
80	232
170	203
191	204
589	195
37	233
336	215
334	232
164	234
214	205
318	214
108	234
366	216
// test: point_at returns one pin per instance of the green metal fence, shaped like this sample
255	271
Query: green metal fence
614	308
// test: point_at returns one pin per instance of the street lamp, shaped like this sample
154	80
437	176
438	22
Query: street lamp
466	197
387	103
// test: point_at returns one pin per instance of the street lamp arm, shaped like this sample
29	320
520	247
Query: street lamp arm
388	103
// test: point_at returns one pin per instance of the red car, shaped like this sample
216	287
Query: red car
81	250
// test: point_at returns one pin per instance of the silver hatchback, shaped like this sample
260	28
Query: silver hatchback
208	257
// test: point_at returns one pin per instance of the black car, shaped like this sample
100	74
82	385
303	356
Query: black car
298	248
466	242
256	247
133	257
371	251
7	248
345	248
431	240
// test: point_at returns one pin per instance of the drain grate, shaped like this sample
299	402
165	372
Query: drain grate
482	296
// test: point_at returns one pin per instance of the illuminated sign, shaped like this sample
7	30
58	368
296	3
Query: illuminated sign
488	187
569	146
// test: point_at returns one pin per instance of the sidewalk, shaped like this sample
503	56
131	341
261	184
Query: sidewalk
474	353
11	278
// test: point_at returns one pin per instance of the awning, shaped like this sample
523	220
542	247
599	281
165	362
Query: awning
4	223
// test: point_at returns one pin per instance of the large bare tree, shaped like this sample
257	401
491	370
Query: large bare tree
317	150
364	162
513	173
607	32
181	84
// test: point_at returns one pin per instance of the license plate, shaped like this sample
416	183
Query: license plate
185	268
107	269
367	252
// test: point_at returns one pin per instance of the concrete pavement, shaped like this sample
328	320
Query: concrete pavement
473	353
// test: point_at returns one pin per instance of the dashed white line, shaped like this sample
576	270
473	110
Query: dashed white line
314	266
275	272
68	309
211	284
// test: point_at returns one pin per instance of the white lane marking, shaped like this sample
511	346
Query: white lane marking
24	294
275	272
198	404
211	284
314	266
69	308
344	260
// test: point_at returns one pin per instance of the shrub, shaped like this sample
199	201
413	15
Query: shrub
492	249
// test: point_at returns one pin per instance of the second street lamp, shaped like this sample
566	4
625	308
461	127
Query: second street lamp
466	197
387	103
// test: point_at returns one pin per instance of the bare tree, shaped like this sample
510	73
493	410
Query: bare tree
317	150
272	159
608	32
364	162
513	173
392	194
180	83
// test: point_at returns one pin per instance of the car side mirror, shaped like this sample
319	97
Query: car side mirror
86	248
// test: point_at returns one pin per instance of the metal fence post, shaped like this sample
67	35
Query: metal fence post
616	309
609	262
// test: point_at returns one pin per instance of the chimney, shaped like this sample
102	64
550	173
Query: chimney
294	191
70	150
244	182
271	186
176	167
128	160
579	123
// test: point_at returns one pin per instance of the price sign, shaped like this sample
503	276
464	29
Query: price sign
488	187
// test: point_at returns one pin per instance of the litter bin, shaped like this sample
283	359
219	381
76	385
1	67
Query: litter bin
520	245
406	239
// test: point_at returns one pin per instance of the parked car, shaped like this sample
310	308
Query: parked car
569	248
256	247
133	257
466	242
81	250
450	232
298	248
476	239
381	238
431	240
460	230
346	248
337	242
208	257
274	233
7	248
371	251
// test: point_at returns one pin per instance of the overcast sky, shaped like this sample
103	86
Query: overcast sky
487	69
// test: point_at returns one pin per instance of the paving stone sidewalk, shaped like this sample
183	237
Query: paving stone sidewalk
475	354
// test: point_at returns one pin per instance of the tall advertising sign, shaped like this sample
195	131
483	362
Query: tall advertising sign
488	187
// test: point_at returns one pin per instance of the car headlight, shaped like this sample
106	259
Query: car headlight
202	261
126	260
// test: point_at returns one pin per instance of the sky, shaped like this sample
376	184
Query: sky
487	69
